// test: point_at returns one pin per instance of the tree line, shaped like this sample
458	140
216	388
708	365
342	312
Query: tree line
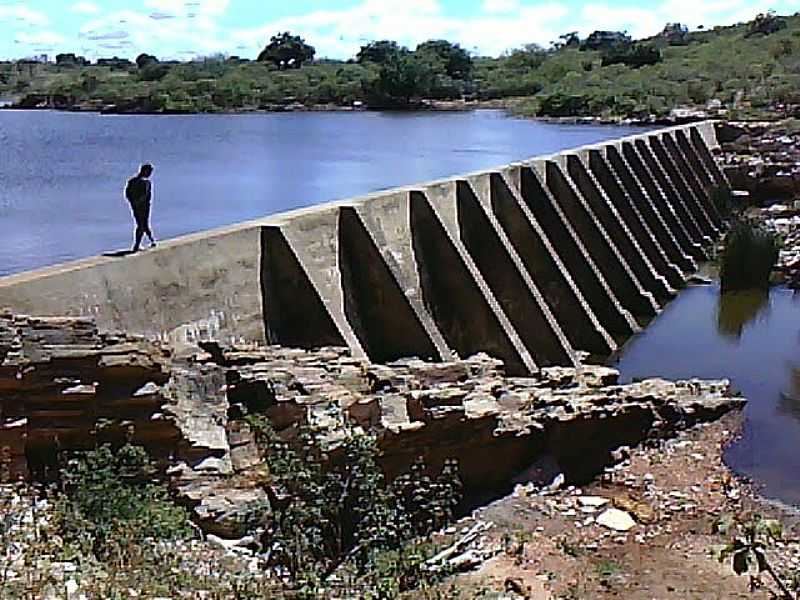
605	73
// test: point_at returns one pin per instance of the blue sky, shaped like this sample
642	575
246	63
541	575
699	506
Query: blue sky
188	28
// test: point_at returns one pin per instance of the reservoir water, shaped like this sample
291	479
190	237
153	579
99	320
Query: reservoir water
62	174
753	339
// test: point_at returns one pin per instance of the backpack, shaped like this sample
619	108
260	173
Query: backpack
135	190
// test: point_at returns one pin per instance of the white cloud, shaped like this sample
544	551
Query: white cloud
214	7
40	38
163	33
189	8
340	33
23	15
86	8
184	28
501	25
645	22
638	22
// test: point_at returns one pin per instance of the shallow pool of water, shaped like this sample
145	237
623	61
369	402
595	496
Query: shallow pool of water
753	339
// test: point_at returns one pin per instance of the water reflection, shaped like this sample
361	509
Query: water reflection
736	309
754	341
789	402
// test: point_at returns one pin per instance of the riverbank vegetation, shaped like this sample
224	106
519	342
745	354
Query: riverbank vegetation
109	528
748	70
751	252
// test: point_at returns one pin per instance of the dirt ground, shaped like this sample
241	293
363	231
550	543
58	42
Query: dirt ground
549	547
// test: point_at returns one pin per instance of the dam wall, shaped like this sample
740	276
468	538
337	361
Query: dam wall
550	261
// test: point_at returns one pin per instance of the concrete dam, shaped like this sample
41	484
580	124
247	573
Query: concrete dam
554	260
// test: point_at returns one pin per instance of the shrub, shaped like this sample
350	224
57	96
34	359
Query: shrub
634	56
563	105
153	72
112	500
749	255
338	512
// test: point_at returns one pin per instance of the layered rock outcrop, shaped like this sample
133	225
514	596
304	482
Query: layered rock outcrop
65	385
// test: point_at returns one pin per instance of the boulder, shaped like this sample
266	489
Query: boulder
615	519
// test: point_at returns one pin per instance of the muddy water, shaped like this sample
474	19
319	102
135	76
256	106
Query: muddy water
753	339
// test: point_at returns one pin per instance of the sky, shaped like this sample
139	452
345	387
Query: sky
185	29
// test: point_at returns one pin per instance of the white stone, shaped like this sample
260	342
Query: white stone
71	587
594	501
616	519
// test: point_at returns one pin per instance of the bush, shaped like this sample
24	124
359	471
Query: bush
563	105
634	56
338	512
153	72
750	253
111	500
766	24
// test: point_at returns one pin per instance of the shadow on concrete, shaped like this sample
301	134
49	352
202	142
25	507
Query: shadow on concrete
506	282
294	314
375	305
452	296
543	269
541	205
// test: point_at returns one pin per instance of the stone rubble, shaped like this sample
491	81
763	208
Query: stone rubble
762	158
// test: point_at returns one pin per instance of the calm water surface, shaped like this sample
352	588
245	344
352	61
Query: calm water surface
752	338
62	174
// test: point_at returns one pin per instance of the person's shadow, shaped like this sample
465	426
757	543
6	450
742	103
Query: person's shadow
119	253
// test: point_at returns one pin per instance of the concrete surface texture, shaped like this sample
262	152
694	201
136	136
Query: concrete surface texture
551	261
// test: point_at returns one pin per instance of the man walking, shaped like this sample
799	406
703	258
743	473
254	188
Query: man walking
139	192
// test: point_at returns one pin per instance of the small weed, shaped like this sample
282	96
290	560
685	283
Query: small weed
751	538
567	547
608	568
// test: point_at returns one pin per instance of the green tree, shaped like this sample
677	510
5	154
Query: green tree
380	52
529	57
400	81
287	51
568	40
457	61
145	60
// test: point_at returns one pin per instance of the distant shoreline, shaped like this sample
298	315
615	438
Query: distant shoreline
426	106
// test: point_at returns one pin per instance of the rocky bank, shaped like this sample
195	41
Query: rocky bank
64	384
